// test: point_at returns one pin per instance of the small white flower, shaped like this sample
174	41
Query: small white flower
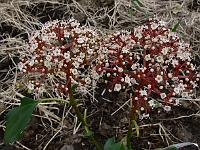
154	40
90	51
56	60
134	67
148	57
67	56
52	35
145	116
192	67
152	70
170	75
143	92
88	80
125	50
47	64
31	62
181	87
174	62
117	87
154	26
184	55
74	71
76	64
33	46
45	38
82	55
162	23
122	79
133	81
108	74
165	50
159	78
160	59
138	34
138	57
163	95
120	69
152	103
105	50
60	64
80	40
80	60
66	34
77	30
167	108
48	57
127	80
195	85
57	52
177	90
75	24
20	66
164	39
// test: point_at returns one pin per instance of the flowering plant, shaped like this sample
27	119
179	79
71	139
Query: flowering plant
59	55
150	62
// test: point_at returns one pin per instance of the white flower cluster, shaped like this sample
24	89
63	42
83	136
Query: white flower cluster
59	54
118	61
151	62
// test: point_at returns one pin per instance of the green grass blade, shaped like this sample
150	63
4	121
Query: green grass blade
176	26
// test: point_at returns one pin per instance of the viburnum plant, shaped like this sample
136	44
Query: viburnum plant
60	55
58	58
150	62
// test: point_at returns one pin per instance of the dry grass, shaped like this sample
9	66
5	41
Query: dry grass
18	18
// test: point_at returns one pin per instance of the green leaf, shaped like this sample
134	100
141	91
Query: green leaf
26	101
17	119
176	26
112	145
88	133
171	148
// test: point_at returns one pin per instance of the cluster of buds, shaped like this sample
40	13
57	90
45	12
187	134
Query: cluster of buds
60	55
151	62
